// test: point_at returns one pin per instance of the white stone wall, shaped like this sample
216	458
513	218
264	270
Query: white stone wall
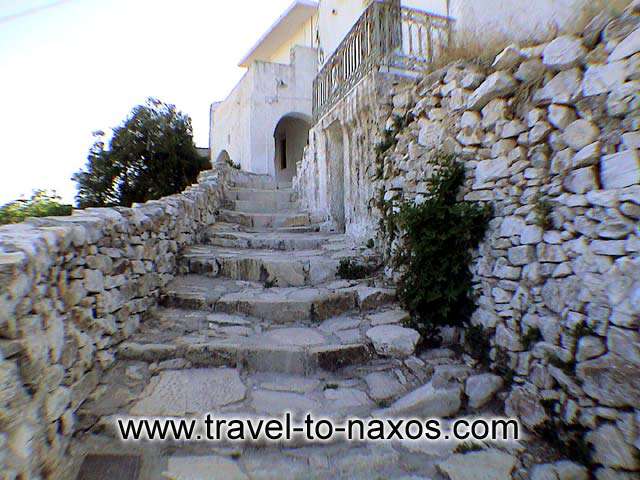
244	124
304	37
558	122
72	289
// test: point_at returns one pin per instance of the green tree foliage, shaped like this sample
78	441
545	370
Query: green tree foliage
439	237
151	155
41	204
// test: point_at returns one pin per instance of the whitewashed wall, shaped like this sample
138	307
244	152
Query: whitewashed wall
244	124
304	37
525	19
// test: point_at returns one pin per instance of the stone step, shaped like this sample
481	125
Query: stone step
291	350
276	305
265	220
260	195
221	236
175	337
251	206
271	267
311	228
384	387
260	182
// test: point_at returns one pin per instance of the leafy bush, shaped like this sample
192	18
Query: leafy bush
41	204
151	155
438	237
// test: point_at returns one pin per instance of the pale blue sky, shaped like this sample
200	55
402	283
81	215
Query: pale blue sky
81	65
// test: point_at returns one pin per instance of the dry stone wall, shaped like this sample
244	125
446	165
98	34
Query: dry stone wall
72	289
550	136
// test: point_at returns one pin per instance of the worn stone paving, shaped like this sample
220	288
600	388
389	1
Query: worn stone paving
258	324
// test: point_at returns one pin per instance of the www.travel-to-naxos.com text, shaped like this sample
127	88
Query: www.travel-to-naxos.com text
313	429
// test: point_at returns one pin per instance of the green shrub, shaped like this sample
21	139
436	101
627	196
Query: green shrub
439	236
150	155
41	204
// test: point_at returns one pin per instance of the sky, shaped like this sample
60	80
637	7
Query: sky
71	67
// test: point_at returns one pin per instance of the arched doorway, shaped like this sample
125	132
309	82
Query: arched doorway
291	136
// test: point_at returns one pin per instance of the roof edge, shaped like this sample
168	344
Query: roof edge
270	30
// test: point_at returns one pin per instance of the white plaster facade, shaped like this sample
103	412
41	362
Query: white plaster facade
525	20
272	100
277	89
244	125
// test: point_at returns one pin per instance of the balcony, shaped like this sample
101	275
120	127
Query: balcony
399	39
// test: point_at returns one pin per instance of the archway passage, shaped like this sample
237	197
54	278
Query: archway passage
291	137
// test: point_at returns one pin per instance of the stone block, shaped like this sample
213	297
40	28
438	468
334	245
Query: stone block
561	116
611	449
620	170
564	88
499	84
523	255
599	79
611	380
580	133
629	46
481	388
490	170
394	341
581	181
564	52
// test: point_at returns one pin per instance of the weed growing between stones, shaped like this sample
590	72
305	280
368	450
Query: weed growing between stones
583	330
532	337
568	439
468	447
438	237
543	210
349	269
477	344
389	140
569	368
501	366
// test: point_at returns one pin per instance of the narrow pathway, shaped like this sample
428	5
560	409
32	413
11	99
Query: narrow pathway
256	324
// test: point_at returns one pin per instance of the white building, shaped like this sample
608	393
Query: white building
263	124
316	73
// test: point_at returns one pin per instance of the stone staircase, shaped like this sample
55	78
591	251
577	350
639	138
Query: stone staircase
257	323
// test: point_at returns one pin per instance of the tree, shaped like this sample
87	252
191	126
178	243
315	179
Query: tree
41	204
151	155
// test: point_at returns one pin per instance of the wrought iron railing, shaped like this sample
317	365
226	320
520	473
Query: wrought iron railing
386	35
